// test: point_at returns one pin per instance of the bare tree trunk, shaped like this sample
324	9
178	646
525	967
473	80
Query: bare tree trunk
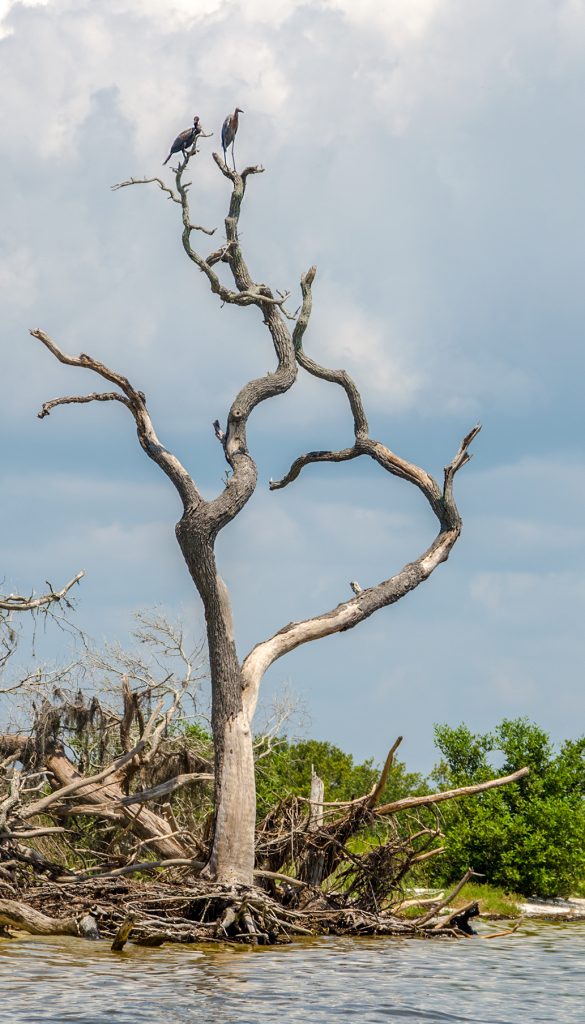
232	854
317	799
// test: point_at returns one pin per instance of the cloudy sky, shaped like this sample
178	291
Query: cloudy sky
429	157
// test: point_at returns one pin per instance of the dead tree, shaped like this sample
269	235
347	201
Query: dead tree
236	681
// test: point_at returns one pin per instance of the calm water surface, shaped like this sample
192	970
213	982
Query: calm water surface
536	975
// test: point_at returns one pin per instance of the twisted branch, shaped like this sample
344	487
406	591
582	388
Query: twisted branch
367	601
348	614
135	402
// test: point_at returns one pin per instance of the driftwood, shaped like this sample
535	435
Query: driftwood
319	846
19	915
123	934
307	880
153	913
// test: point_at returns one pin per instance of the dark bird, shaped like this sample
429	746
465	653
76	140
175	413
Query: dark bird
185	139
228	133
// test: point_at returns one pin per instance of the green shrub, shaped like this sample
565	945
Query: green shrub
528	837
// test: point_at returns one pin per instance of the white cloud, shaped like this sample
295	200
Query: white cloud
400	21
6	7
345	335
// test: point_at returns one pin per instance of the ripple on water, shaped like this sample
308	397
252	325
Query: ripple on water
535	975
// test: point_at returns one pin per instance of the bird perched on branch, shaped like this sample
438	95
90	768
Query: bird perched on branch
185	139
228	133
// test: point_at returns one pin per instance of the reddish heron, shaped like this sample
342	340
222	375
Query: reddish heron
228	133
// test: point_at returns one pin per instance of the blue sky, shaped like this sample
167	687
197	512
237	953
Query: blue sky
429	157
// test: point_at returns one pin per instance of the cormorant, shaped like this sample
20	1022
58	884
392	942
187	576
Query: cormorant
185	139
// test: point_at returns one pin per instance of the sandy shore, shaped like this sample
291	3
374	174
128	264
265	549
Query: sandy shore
561	910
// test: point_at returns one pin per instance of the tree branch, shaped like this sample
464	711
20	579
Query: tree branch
242	482
108	396
82	782
340	377
345	455
15	603
450	794
348	614
374	796
469	874
166	788
245	297
165	188
135	402
234	175
148	181
441	502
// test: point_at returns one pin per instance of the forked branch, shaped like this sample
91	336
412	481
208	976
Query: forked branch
367	601
241	483
135	402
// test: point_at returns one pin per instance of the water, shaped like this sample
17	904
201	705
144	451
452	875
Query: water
535	975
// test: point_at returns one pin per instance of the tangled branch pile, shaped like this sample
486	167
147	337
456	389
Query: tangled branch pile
106	809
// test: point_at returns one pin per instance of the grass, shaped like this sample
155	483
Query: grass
493	902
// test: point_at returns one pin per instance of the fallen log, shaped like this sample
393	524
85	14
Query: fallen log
97	797
311	838
102	794
14	914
